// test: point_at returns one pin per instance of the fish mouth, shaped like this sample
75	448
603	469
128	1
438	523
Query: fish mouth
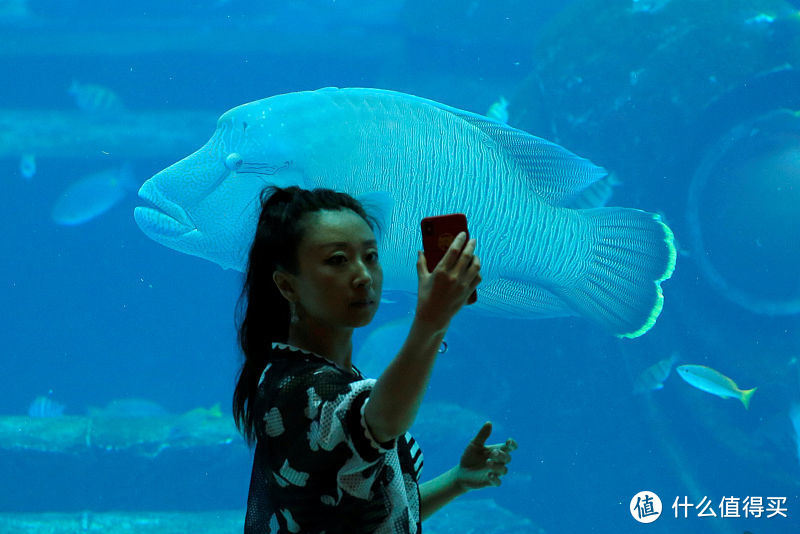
162	217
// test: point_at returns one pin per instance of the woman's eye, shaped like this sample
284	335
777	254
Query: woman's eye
336	260
372	257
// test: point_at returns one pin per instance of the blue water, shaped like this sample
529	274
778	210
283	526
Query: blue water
98	311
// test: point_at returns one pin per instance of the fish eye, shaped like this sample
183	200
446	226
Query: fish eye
233	161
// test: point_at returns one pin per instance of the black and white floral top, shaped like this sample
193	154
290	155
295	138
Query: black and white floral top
317	466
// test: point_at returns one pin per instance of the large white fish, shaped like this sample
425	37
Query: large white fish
408	158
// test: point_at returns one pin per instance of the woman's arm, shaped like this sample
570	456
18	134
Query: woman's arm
437	492
397	394
481	466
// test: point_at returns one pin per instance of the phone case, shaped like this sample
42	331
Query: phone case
438	233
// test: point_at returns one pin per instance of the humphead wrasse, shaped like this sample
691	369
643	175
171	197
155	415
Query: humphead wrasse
407	157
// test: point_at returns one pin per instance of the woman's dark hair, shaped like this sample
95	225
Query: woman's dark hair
263	314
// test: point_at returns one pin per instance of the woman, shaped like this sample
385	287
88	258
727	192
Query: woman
333	453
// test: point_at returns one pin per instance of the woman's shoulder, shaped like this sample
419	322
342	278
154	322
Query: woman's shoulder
289	363
298	357
301	357
292	376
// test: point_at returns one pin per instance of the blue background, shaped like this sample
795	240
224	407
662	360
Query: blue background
98	311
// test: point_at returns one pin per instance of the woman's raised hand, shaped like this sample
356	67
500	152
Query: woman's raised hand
442	292
483	465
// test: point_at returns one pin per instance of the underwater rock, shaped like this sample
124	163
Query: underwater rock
217	522
460	517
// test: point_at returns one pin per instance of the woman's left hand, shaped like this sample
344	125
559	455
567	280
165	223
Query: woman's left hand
482	465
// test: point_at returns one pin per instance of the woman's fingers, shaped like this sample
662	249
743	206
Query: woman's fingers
451	257
499	456
422	267
483	434
498	469
463	261
466	260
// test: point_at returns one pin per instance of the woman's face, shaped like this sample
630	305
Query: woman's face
339	279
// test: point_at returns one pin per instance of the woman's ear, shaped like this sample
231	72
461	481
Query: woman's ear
285	284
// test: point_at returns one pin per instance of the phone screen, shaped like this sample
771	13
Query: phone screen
438	233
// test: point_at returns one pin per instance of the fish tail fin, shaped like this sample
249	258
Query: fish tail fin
630	254
746	394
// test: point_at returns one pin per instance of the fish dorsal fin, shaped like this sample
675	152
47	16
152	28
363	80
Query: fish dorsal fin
379	206
554	173
595	195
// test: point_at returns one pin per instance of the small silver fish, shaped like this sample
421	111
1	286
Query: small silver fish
499	110
93	195
27	165
712	381
94	98
653	377
45	407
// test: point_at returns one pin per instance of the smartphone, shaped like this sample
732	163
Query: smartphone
438	233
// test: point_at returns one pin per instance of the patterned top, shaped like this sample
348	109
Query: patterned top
317	466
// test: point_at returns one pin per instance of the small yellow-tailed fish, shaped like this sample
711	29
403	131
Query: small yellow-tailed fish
714	382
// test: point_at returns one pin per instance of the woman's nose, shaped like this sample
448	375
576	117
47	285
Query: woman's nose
363	275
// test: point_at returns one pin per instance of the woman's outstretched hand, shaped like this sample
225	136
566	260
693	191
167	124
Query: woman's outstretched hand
482	465
443	291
